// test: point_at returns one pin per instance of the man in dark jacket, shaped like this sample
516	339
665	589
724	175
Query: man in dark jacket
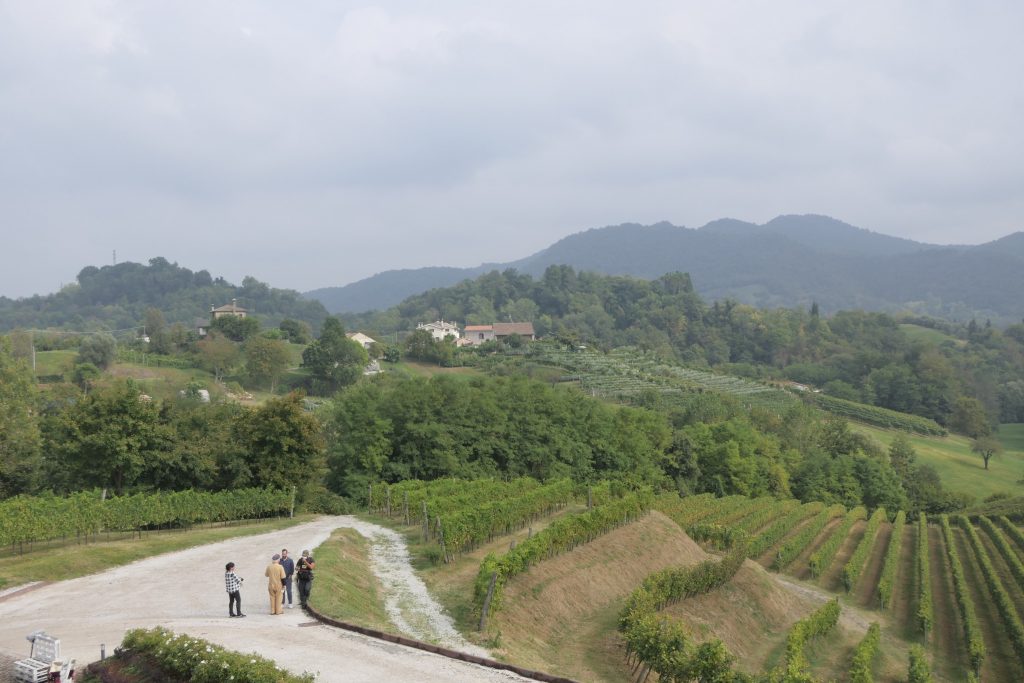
288	564
304	576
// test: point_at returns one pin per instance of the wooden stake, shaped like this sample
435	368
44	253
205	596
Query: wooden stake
440	532
487	601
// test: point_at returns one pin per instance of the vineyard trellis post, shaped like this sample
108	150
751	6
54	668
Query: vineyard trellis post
291	508
387	503
369	498
405	507
487	600
426	523
440	533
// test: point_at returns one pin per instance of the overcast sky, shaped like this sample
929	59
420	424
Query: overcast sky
316	143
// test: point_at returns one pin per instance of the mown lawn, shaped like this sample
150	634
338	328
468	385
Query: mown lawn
962	470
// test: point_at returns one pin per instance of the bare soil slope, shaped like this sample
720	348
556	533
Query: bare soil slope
561	616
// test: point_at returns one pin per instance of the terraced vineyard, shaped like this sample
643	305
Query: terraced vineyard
626	372
949	585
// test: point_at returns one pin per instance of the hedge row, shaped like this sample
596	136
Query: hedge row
560	536
924	615
469	527
1003	546
820	622
972	632
31	519
796	544
1007	611
864	655
875	415
683	509
892	560
663	646
855	565
1013	530
442	496
822	558
918	671
778	530
193	659
753	522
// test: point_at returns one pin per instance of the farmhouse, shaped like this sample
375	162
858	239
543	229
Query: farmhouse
232	309
439	329
363	339
478	334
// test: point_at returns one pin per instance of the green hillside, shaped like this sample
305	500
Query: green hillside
962	470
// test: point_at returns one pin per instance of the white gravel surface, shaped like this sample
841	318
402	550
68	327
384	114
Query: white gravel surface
184	591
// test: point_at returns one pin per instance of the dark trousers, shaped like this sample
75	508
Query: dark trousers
288	590
304	587
234	603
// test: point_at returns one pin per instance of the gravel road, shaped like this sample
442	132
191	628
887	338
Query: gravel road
184	591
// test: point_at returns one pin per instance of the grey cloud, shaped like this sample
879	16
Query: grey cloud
315	145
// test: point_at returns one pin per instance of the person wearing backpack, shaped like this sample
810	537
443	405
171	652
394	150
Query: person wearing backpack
304	576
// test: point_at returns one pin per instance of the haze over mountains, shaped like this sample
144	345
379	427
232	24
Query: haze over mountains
789	261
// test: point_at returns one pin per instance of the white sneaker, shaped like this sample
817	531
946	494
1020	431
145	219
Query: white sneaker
290	606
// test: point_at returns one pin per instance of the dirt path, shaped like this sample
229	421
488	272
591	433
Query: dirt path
184	591
831	577
867	589
1000	661
905	585
801	566
947	639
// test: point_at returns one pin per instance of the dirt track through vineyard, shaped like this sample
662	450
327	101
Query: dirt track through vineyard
867	588
184	591
1000	664
947	637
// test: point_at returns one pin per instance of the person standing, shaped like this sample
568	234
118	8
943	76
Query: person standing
288	564
304	576
233	584
275	584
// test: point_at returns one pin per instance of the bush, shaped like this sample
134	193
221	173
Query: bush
200	661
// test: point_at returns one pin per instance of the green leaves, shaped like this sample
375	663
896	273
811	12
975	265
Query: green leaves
892	559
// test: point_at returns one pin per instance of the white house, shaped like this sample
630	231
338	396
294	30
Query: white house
361	338
439	329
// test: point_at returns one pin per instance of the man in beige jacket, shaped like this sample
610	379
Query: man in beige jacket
275	576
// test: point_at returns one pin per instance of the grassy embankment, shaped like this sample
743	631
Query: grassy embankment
64	562
344	586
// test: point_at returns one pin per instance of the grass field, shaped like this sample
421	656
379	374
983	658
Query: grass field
71	561
54	362
962	470
916	333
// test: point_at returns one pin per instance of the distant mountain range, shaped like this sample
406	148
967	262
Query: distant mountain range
789	261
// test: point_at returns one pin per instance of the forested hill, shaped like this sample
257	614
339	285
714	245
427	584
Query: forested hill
789	261
868	357
116	297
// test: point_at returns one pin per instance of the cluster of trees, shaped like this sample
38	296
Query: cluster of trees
116	297
398	428
856	355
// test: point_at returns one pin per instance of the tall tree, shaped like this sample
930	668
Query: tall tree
218	354
97	349
284	443
987	447
334	359
266	360
110	438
